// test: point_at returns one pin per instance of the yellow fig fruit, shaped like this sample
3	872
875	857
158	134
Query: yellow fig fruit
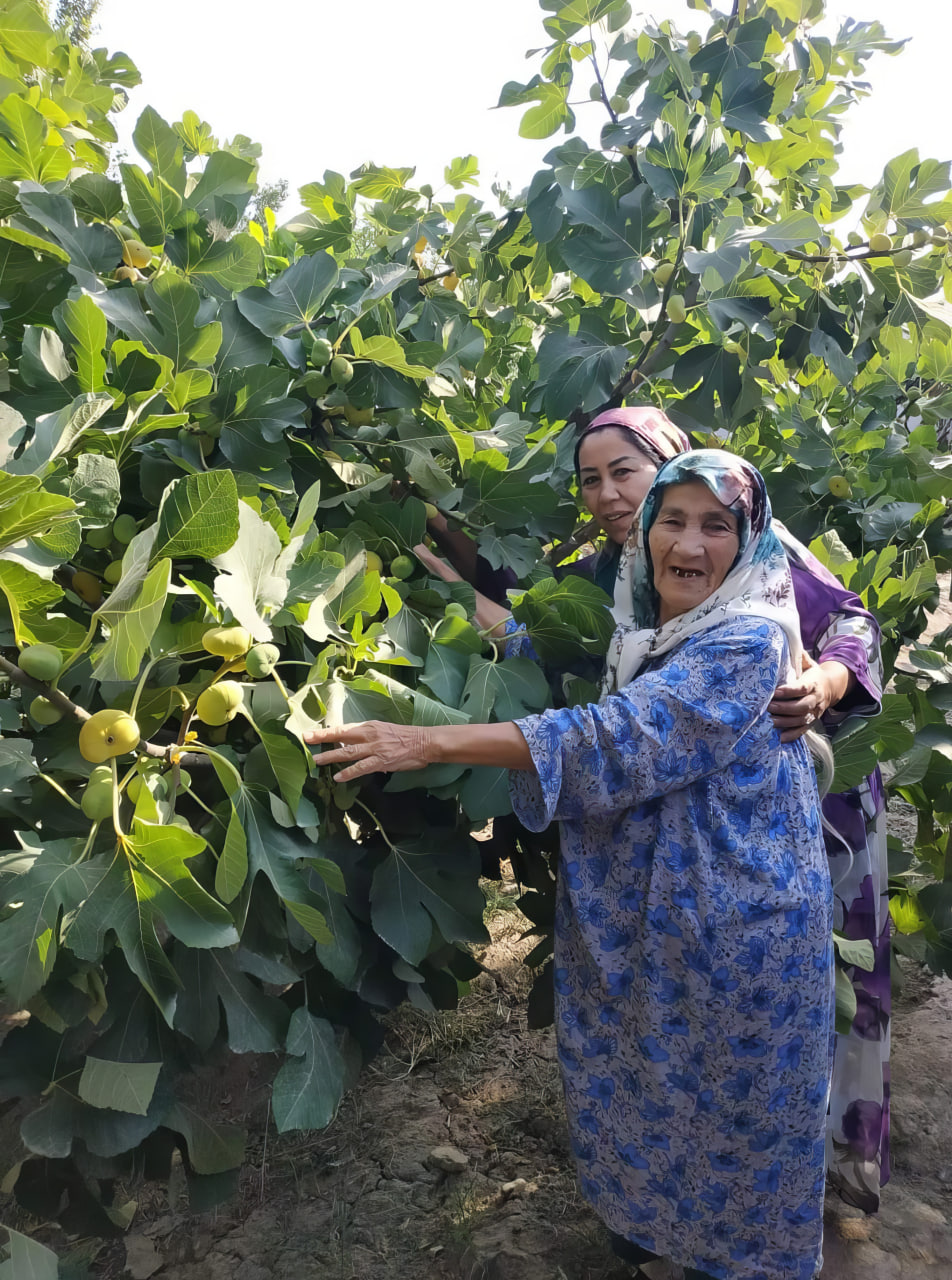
125	273
420	244
358	417
879	242
374	562
227	642
219	704
113	572
106	734
431	511
451	281
87	586
839	486
135	253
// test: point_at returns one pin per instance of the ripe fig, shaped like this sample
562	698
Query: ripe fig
106	734
219	704
227	642
135	253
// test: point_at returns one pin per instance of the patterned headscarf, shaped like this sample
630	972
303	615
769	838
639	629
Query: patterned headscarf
654	432
758	583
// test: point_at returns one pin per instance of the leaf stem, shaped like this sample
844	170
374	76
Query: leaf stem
56	787
376	821
115	800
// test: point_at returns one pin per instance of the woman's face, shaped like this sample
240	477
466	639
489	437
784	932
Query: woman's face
614	476
693	543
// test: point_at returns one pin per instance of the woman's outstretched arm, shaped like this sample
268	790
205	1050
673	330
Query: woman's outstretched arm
375	746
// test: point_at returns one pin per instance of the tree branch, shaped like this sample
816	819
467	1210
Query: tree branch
70	708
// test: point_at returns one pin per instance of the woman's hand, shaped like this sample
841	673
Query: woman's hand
798	704
373	747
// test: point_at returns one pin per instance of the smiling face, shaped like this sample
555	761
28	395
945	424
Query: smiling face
614	476
693	543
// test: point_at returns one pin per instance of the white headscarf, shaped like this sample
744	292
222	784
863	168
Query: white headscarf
758	583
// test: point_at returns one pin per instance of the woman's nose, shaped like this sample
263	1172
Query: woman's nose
690	540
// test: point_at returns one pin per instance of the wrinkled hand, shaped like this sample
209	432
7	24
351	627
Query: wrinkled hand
799	704
373	747
436	564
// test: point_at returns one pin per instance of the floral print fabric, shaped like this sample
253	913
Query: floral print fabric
693	960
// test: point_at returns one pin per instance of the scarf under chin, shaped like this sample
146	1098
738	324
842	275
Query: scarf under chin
758	583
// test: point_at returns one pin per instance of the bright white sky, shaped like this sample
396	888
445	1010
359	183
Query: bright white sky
329	85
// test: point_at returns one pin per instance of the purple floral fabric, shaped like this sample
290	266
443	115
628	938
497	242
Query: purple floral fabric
835	626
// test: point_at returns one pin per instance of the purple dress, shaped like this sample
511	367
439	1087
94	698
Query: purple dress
835	627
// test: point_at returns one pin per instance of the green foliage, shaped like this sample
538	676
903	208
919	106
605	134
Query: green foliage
267	408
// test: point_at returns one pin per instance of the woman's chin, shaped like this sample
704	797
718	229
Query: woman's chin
616	534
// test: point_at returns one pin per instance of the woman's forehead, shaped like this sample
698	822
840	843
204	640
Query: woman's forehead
608	445
692	495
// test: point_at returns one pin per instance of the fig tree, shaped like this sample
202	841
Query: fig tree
402	567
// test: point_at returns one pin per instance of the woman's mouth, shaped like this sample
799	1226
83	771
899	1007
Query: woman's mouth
686	573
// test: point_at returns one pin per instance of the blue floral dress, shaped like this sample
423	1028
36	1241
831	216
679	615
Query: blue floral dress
693	961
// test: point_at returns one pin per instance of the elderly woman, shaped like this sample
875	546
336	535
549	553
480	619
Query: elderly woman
616	459
693	953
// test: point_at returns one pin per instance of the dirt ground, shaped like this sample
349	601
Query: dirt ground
449	1161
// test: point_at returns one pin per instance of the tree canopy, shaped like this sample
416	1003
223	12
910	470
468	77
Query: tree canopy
218	433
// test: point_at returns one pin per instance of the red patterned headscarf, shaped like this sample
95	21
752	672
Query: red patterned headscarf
652	429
